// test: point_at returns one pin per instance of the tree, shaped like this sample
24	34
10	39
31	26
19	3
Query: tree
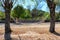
27	14
34	13
52	7
7	5
17	12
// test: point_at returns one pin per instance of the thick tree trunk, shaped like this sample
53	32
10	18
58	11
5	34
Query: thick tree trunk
7	21
52	19
52	6
7	6
7	25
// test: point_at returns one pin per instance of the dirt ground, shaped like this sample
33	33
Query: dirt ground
32	31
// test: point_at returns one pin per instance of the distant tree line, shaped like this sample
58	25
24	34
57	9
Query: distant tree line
25	14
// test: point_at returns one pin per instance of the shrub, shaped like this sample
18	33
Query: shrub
2	15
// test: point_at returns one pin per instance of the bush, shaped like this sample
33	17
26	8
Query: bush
17	11
46	16
26	14
57	16
2	15
21	13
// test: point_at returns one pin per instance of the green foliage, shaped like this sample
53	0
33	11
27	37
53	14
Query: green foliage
58	16
17	12
20	12
2	15
26	14
46	16
41	13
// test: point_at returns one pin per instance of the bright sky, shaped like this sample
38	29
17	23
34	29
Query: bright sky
42	5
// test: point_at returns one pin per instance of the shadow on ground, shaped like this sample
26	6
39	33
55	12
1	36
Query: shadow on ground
56	33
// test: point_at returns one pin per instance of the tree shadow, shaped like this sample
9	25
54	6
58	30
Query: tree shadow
56	33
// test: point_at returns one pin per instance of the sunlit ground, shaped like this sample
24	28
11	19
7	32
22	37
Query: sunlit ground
31	31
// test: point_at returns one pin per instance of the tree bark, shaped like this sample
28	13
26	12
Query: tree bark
7	21
52	7
52	19
7	6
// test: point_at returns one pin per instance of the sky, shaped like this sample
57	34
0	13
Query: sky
28	4
42	5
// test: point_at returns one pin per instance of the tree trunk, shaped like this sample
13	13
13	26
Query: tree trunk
7	35
17	20
52	7
52	19
7	21
7	6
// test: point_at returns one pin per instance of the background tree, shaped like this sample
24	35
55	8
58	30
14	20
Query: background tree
26	14
17	12
34	13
